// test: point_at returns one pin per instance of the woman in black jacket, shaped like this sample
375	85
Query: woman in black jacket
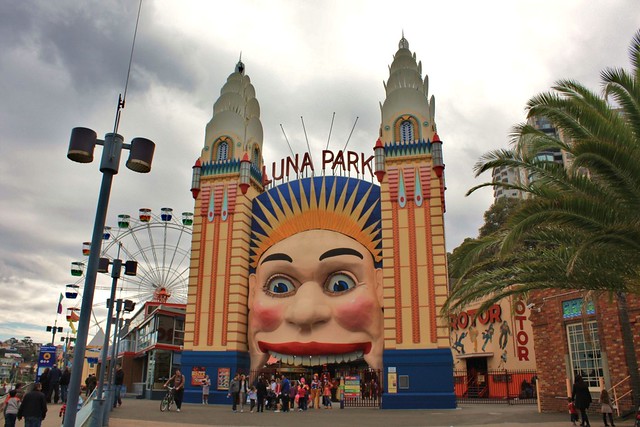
582	398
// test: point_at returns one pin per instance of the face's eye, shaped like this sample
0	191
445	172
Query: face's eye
339	283
279	286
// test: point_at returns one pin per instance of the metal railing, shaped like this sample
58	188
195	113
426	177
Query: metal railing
616	398
496	386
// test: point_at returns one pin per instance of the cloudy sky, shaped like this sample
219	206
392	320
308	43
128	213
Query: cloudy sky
63	64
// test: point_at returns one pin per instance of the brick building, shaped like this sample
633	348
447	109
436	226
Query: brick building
573	339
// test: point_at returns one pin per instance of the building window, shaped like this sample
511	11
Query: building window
573	308
255	158
406	131
584	352
223	151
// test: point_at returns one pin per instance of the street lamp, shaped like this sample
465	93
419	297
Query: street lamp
130	269
81	146
124	306
53	329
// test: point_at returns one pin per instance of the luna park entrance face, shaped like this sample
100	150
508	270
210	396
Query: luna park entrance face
328	386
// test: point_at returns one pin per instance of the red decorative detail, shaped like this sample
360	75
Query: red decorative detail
393	183
402	199
214	281
199	285
413	272
195	192
409	182
439	169
436	138
245	158
265	178
431	285
227	274
379	175
396	271
378	144
243	187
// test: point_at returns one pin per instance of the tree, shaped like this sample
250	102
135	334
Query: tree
581	227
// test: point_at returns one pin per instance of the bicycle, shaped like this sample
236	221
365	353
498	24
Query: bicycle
167	400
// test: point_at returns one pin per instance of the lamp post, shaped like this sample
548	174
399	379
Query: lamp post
122	306
81	146
67	347
53	329
130	269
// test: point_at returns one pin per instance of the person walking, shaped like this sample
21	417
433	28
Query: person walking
244	389
10	408
206	384
178	388
64	383
261	393
234	392
315	392
285	389
118	383
33	407
54	384
606	408
45	382
582	399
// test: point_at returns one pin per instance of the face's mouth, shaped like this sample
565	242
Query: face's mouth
315	353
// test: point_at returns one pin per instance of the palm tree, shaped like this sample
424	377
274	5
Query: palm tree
581	227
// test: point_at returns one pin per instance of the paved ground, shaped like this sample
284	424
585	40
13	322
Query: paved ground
146	413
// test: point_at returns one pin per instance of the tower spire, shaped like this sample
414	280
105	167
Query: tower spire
240	65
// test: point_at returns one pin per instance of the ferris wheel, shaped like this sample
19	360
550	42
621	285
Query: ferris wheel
161	246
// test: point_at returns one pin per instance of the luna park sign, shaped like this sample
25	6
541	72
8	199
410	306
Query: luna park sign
338	162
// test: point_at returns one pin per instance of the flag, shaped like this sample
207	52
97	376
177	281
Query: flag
60	304
73	328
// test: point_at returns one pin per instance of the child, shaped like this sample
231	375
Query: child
11	406
606	408
206	383
326	395
253	395
572	410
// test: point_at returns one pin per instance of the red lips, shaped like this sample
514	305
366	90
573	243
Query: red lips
313	348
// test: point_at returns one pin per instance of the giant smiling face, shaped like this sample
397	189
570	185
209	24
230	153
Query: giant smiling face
316	298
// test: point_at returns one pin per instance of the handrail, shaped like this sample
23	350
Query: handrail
617	398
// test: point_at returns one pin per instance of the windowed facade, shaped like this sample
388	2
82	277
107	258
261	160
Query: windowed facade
222	152
584	352
255	158
406	131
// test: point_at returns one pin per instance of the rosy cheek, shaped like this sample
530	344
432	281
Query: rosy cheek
265	318
357	314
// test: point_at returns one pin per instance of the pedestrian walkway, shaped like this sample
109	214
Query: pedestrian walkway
146	413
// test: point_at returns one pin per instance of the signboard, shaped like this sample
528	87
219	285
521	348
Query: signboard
46	359
224	377
352	386
392	382
197	375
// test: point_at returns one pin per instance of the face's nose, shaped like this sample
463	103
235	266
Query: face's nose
308	309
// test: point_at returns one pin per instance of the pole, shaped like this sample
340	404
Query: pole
99	401
87	295
112	366
53	337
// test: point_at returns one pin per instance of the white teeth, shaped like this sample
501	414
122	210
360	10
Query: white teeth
317	360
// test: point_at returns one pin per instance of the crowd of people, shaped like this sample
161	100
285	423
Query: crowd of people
51	387
280	394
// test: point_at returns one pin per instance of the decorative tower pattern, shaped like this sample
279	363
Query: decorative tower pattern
412	197
216	319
